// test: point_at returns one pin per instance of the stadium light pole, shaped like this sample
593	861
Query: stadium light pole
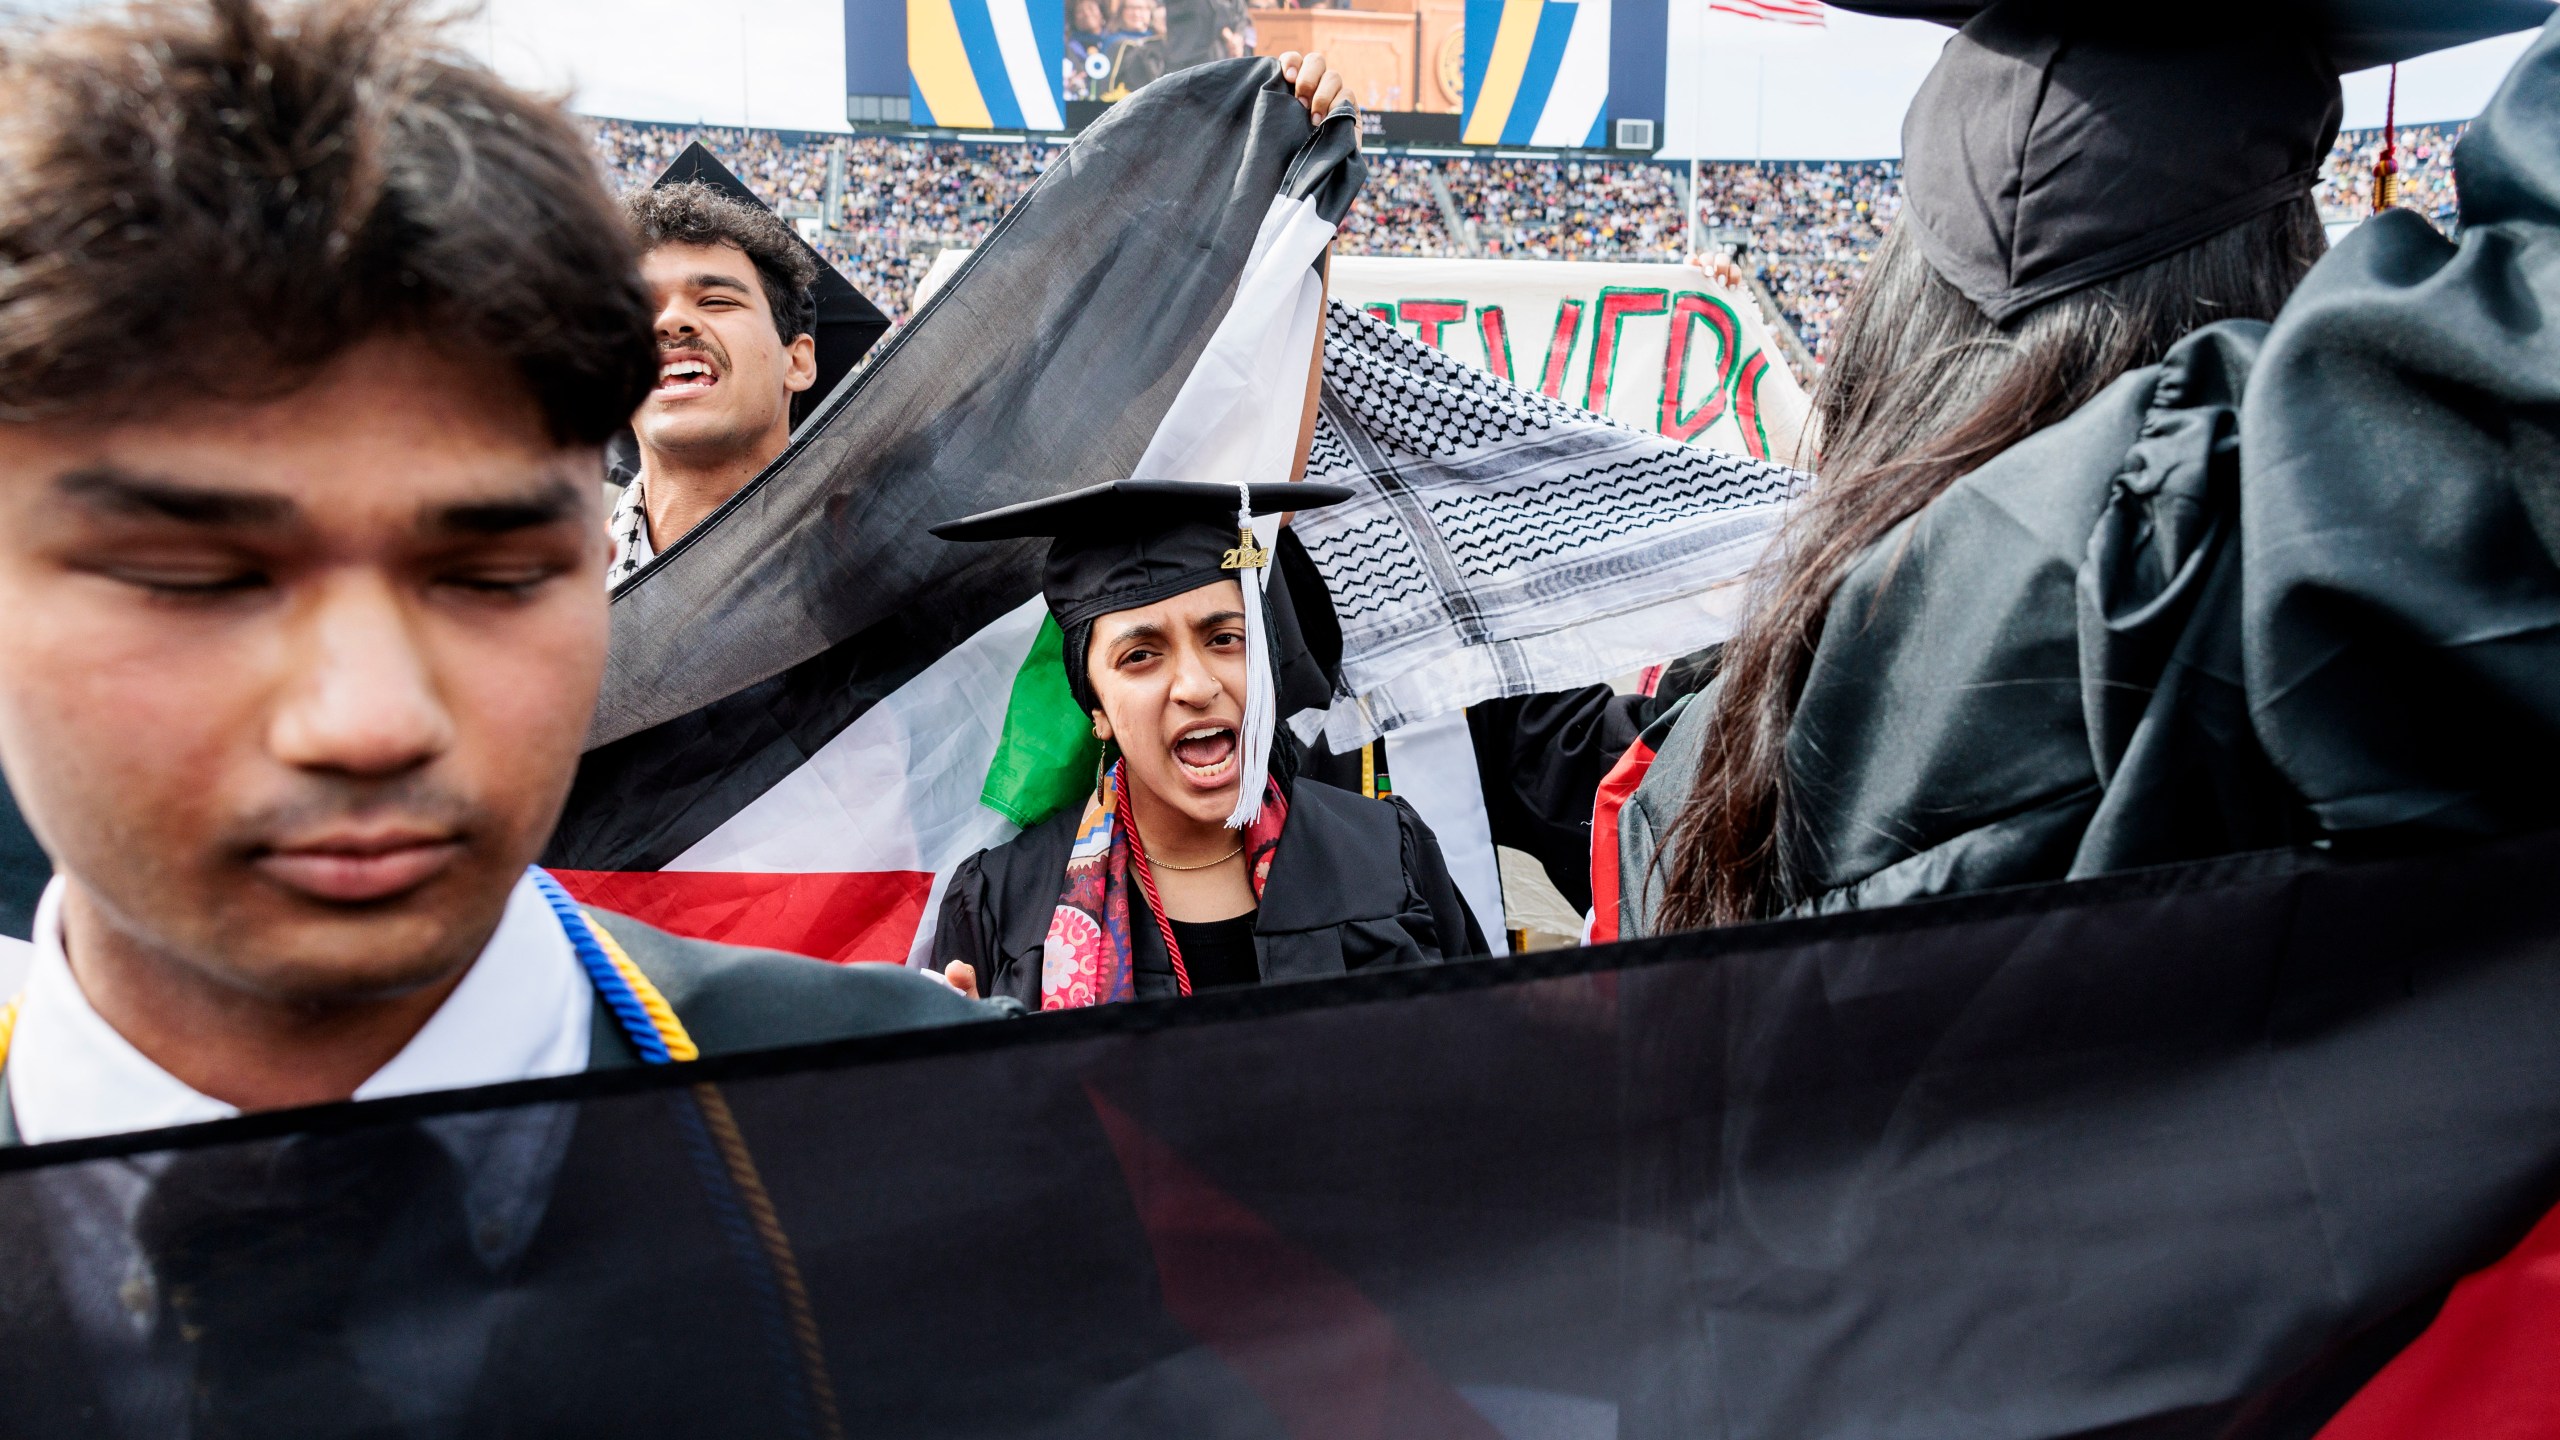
1693	204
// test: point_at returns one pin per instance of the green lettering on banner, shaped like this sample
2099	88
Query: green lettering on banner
1746	397
1497	341
1616	304
1687	309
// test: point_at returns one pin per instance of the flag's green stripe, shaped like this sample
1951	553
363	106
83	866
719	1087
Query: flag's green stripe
1045	760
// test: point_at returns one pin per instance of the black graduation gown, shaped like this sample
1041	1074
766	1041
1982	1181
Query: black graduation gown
1357	883
2297	584
1540	759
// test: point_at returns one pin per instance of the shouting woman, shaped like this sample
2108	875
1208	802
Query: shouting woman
1201	859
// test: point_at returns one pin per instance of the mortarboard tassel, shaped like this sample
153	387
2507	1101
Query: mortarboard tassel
1251	560
2386	169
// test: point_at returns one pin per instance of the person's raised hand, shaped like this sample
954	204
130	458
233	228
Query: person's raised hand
960	975
1722	270
1318	85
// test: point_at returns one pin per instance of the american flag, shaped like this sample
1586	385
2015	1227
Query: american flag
1785	12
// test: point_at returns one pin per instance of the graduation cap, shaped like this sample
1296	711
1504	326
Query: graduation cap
2060	143
847	325
1128	543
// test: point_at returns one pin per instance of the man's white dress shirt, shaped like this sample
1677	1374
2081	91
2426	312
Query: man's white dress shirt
522	1011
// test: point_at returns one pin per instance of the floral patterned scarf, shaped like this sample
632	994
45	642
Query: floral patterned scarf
1085	959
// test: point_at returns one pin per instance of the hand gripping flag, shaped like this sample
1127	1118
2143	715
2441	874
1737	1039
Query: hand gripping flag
813	708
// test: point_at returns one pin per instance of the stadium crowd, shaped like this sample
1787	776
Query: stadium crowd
1808	228
1398	212
2425	153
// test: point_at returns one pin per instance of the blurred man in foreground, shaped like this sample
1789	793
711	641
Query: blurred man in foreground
308	344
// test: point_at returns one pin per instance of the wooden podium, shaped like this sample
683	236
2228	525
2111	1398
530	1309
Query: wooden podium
1440	58
1393	54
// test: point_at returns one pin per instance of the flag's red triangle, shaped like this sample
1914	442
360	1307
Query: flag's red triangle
1322	1355
2487	1369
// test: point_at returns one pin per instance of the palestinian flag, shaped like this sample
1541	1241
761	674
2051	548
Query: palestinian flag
813	708
2262	1148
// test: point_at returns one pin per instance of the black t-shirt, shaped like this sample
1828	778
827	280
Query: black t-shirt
1218	952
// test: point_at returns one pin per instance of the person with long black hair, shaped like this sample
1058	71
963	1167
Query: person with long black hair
1997	644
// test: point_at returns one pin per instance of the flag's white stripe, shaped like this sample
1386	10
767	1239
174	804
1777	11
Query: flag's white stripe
1582	79
1022	66
1236	415
1433	767
898	788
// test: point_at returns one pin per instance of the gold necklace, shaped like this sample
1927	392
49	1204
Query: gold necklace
1203	865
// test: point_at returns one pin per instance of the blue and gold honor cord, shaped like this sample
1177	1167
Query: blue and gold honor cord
740	1203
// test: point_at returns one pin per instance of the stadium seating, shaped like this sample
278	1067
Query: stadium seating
1810	227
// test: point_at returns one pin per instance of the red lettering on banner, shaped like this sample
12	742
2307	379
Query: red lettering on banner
1385	312
1427	316
1689	308
1746	406
1497	341
1615	306
1560	347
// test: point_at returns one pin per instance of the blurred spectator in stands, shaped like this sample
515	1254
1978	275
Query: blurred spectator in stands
2425	153
1088	58
1136	47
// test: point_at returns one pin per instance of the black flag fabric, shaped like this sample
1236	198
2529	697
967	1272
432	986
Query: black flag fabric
2192	1152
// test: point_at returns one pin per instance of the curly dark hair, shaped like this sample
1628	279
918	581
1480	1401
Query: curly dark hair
216	198
692	213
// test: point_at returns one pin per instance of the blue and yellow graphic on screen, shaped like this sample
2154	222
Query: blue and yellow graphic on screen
1537	72
987	64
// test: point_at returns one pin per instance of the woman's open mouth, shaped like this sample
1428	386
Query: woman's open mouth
1207	754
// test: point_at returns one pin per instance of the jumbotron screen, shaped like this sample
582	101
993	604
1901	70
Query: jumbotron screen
1544	73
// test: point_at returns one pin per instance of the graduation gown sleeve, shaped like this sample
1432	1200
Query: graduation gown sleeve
2401	441
1357	884
1540	759
995	912
2042	680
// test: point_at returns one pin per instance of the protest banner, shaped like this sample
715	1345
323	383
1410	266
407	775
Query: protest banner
1659	347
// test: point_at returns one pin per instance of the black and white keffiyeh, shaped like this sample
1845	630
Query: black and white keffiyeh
1503	543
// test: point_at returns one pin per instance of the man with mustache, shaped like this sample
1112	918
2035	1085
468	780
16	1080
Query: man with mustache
300	426
735	312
